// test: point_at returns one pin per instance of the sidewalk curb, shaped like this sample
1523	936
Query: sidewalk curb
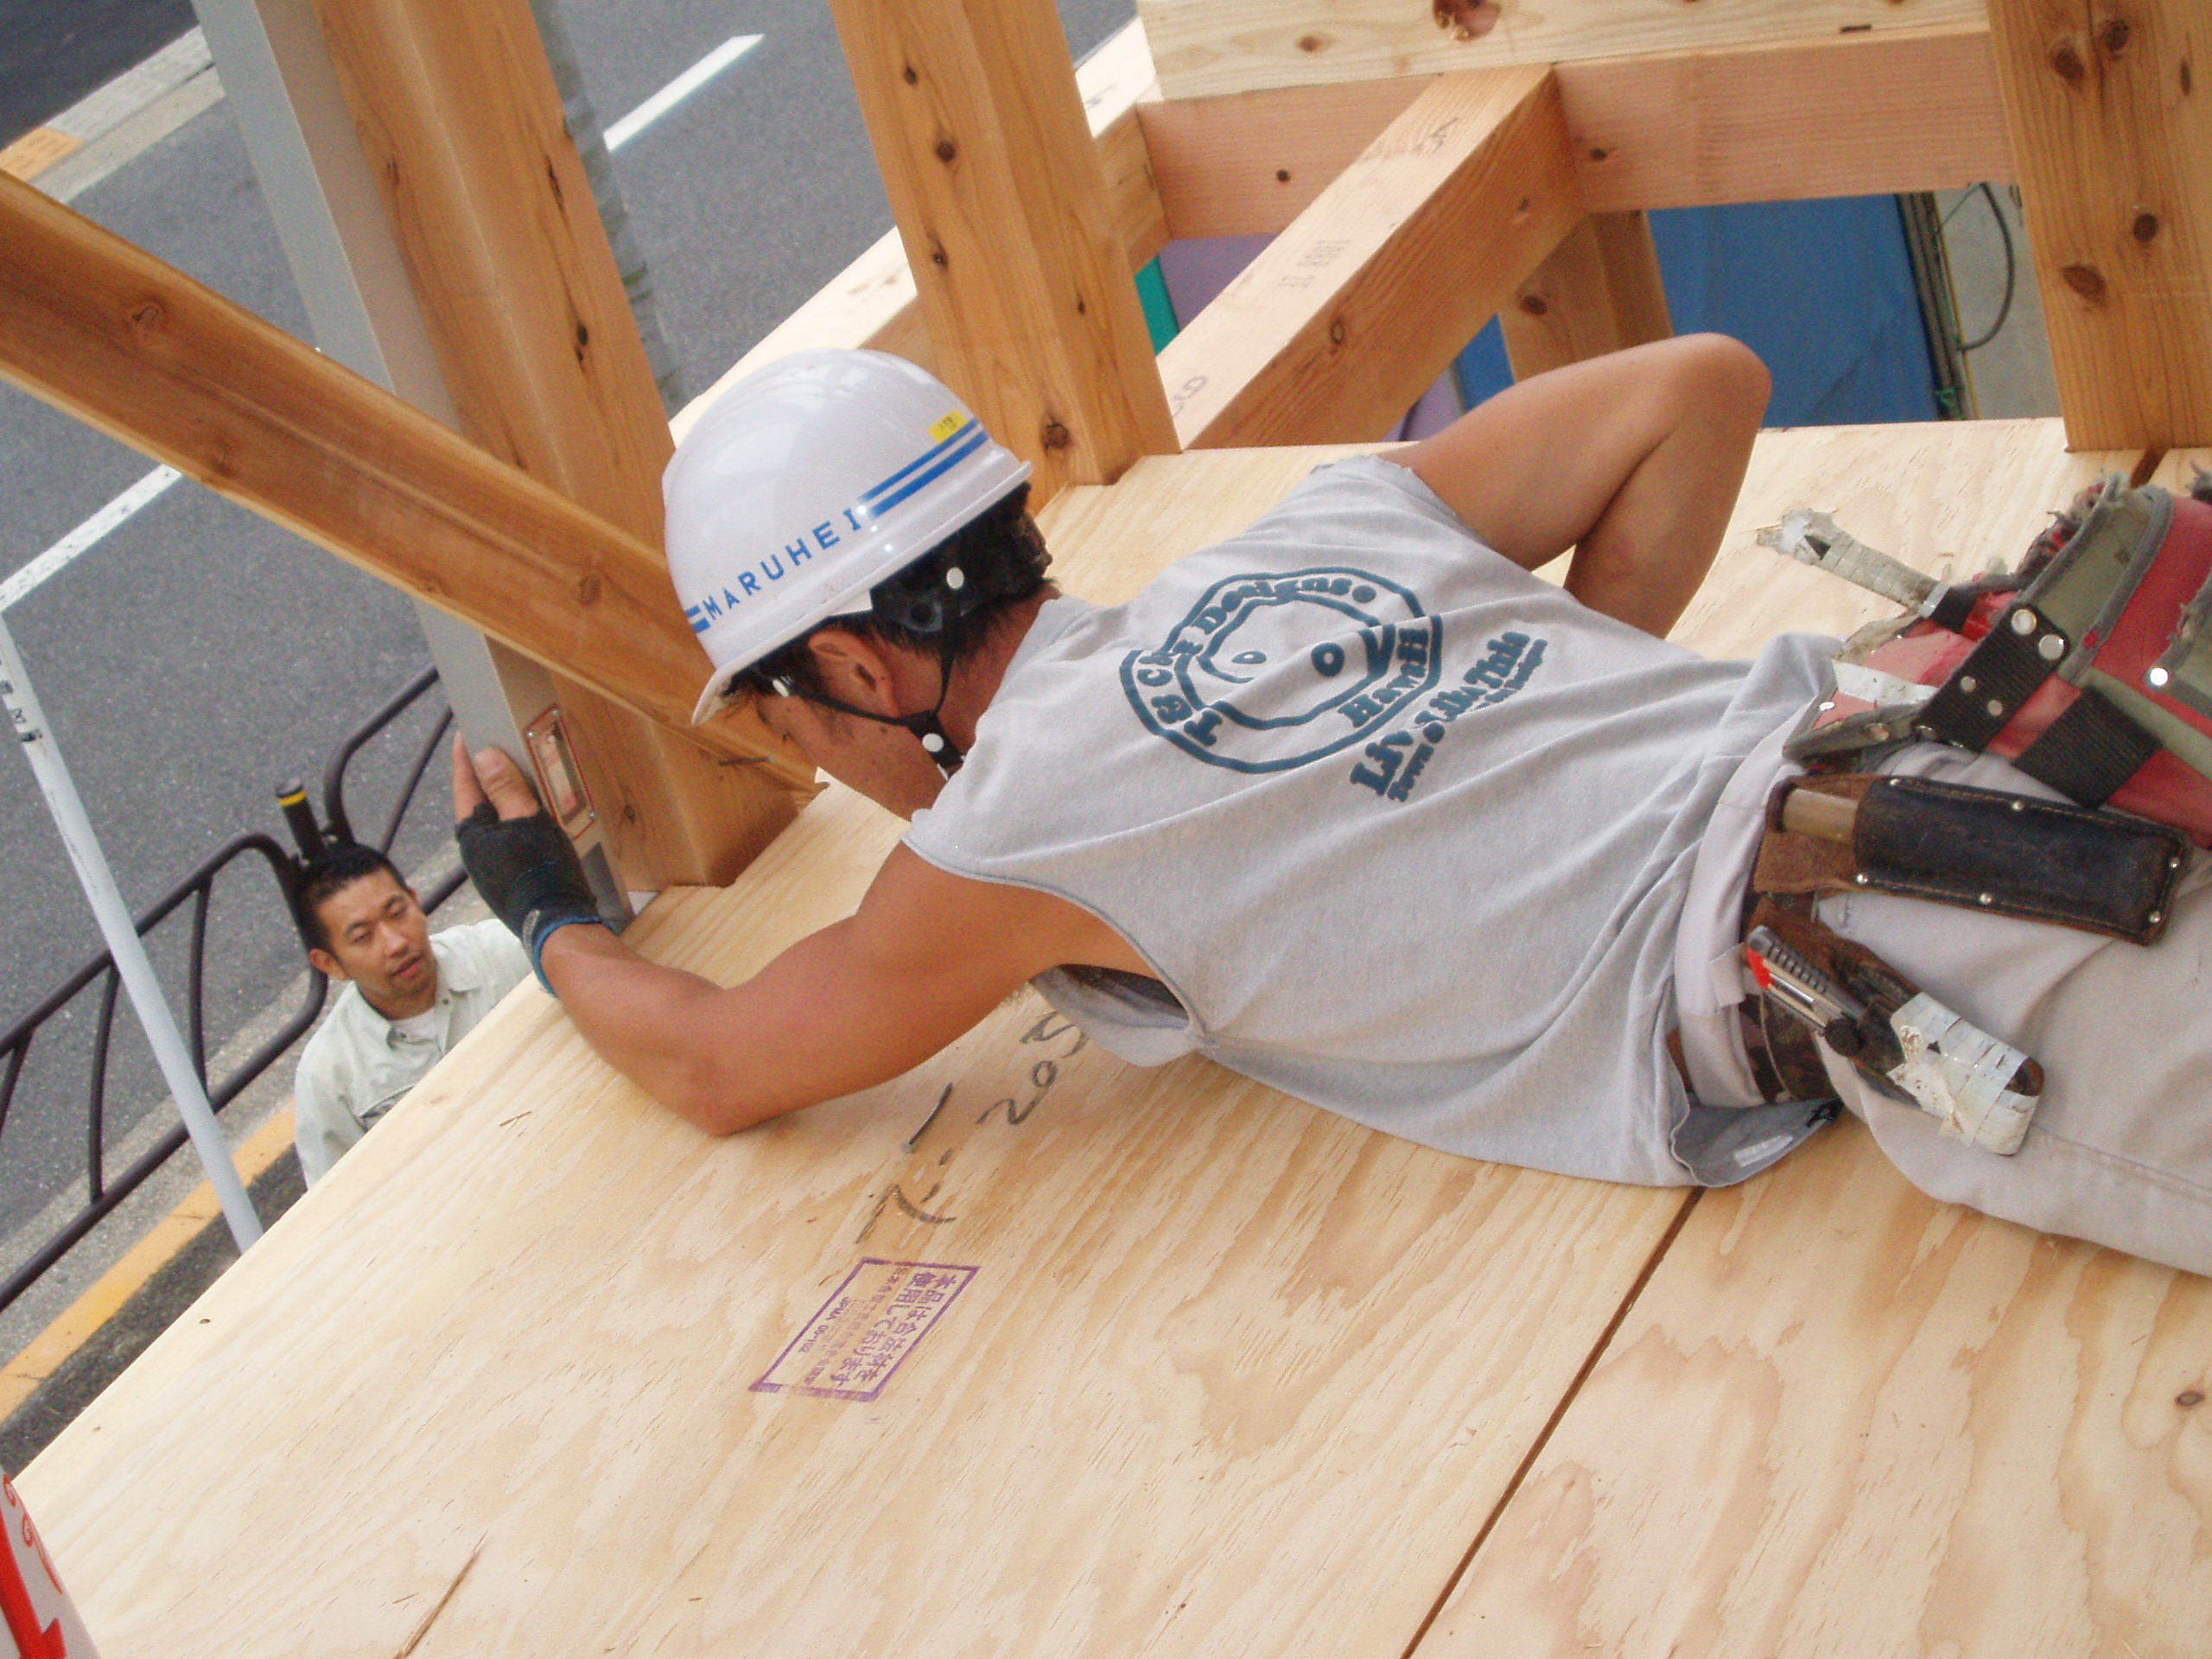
54	1347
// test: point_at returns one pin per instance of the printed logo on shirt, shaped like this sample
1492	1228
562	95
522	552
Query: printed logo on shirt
1271	671
1392	765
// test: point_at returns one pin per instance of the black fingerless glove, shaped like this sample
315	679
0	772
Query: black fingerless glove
528	873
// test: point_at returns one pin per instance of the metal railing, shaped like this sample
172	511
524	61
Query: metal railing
104	1193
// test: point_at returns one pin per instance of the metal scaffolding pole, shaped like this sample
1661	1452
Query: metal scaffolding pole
129	950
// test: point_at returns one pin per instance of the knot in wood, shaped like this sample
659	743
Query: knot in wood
907	74
2115	36
2066	59
1600	155
2144	229
588	589
2086	280
1336	332
1466	20
1313	42
2190	1399
946	150
1056	436
1282	175
1534	304
148	317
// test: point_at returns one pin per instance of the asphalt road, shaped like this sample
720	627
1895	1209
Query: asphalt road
198	655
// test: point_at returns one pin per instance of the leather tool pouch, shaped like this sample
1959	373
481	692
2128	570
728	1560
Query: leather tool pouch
1982	849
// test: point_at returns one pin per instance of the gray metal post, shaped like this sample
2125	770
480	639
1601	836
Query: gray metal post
124	944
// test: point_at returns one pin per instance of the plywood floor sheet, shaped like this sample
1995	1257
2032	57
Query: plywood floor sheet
1222	1375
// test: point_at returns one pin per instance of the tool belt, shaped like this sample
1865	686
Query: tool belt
1978	848
2091	671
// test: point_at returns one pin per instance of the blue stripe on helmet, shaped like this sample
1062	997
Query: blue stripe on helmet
945	463
965	433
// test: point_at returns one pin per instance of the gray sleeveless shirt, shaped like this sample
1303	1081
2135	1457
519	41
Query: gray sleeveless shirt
1406	830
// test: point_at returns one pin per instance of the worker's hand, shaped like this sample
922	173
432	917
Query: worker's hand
521	863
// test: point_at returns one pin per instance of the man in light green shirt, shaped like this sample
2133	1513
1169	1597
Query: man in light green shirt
405	996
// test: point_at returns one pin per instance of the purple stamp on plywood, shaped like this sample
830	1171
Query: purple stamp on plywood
865	1331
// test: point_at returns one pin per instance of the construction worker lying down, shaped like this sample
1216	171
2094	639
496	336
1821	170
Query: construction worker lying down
1356	805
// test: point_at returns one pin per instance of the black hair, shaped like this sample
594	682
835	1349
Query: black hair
947	602
331	873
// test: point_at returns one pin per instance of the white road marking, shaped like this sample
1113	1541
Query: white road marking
86	536
679	89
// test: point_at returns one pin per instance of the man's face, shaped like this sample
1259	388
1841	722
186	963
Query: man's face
380	939
884	763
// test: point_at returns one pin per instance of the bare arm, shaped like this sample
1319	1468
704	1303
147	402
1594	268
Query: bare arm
926	955
1632	460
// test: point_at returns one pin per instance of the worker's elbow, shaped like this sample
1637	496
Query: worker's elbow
713	1099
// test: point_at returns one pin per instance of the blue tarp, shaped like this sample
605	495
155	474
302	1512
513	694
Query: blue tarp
1822	290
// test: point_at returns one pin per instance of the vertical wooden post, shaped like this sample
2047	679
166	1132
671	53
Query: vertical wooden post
457	112
1003	208
2109	103
1599	292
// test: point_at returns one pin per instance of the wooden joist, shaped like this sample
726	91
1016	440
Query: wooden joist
1208	47
2114	136
1840	116
1004	212
492	215
1600	291
1337	326
1229	1376
139	350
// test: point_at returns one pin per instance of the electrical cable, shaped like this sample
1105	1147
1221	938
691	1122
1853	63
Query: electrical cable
2011	274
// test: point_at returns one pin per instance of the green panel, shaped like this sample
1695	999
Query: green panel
1159	310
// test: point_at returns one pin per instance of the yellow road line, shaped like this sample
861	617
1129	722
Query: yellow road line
51	1349
36	150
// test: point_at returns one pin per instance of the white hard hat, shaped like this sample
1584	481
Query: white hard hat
808	483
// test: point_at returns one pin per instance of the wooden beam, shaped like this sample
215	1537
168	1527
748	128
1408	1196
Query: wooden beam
461	124
872	303
1208	47
2114	135
1006	216
134	347
1600	291
1854	115
1336	328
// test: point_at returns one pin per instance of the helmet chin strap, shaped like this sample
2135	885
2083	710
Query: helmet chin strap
936	741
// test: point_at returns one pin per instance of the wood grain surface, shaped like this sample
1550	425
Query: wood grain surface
2113	138
1600	290
492	216
1841	115
873	301
1341	322
1843	1419
1005	212
134	347
1838	115
1204	46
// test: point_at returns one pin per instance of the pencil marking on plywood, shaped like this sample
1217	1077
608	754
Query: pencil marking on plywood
864	1333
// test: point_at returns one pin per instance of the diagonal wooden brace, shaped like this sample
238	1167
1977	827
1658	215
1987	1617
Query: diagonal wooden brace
144	354
1334	331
